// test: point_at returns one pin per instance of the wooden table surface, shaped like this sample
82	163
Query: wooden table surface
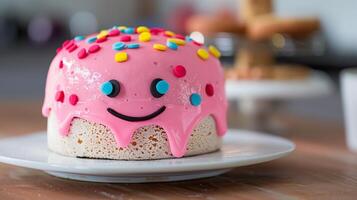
320	168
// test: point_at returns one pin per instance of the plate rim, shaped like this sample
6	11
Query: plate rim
103	170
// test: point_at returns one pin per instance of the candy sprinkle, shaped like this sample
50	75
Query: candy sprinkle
179	71
142	29
82	53
133	46
177	41
203	54
171	45
122	28
169	33
118	46
159	47
94	48
91	40
129	30
121	57
125	38
79	38
73	99
102	39
113	33
145	37
195	99
214	51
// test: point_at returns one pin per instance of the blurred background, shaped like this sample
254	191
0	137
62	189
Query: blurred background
31	30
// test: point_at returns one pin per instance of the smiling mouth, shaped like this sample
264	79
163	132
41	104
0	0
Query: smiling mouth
136	119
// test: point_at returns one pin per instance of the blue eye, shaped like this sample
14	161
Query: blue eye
110	88
159	87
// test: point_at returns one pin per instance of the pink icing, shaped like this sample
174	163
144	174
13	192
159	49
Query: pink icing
81	80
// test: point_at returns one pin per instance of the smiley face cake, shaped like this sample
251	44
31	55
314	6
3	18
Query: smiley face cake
135	94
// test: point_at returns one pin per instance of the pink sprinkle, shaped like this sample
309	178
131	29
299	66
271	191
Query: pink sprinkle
94	48
58	49
196	43
100	40
82	53
73	99
60	64
72	48
125	38
156	31
114	32
179	36
179	71
209	90
59	96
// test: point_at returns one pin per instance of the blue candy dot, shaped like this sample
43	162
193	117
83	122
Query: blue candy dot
188	39
129	30
172	45
195	99
107	88
133	46
79	38
91	40
162	87
118	46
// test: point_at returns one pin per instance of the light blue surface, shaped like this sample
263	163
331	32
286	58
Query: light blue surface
107	88
195	99
162	87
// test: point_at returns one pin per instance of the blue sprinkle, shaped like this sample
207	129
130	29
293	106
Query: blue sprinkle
188	39
107	88
133	46
91	40
118	46
114	27
162	87
129	30
79	38
195	99
171	45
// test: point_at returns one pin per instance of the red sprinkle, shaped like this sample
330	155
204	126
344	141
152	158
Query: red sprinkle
94	48
69	44
73	99
65	43
125	38
179	71
72	48
82	53
209	90
59	96
60	64
179	36
156	31
100	40
58	49
114	32
196	43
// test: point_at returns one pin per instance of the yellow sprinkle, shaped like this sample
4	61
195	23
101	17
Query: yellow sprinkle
142	29
144	37
203	54
169	33
121	57
177	41
102	34
122	28
214	51
159	47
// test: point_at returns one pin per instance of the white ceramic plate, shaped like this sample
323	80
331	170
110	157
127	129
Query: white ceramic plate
240	148
318	84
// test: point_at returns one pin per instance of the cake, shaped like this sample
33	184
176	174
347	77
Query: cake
135	94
